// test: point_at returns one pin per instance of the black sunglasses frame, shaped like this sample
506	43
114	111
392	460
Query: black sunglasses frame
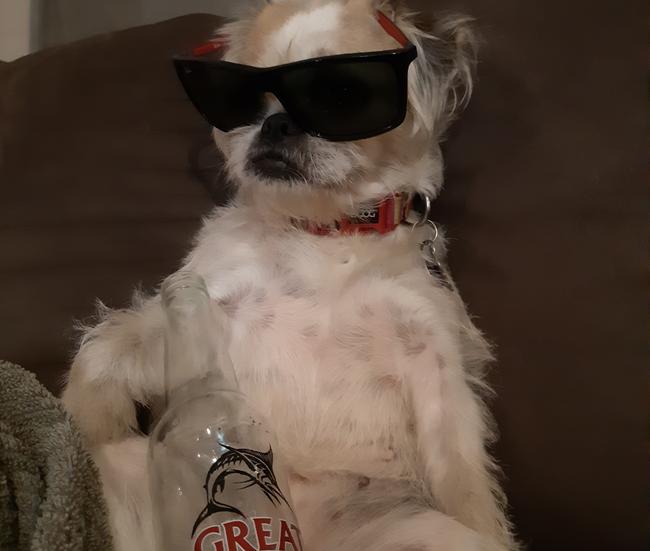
268	80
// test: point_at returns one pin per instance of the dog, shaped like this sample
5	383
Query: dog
366	363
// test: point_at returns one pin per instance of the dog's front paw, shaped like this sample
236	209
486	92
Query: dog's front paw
103	411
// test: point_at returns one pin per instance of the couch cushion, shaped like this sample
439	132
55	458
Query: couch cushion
95	191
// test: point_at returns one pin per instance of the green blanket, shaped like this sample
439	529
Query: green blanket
50	496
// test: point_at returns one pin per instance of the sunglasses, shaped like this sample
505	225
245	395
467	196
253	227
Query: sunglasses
337	97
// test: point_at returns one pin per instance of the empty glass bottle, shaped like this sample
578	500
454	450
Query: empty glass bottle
215	482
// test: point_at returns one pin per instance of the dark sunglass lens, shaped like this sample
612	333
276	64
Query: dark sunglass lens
345	99
226	96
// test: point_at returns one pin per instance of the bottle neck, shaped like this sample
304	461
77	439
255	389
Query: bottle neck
196	358
209	384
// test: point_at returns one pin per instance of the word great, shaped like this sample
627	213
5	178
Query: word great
237	535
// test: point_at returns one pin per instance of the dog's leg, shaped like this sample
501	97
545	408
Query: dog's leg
124	476
408	530
359	514
120	362
451	431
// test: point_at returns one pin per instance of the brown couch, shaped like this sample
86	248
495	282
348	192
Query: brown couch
103	178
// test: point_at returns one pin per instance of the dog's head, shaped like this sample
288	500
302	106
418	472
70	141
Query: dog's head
274	162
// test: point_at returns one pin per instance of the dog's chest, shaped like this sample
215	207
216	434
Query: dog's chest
322	354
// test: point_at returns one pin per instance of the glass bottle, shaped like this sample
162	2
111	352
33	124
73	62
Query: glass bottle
215	482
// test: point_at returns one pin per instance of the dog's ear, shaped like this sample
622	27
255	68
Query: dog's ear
452	51
441	81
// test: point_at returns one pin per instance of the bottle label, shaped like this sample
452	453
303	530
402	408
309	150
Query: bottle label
242	468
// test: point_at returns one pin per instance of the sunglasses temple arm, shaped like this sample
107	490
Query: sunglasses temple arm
392	29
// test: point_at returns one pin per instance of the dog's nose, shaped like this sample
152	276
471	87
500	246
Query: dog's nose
278	127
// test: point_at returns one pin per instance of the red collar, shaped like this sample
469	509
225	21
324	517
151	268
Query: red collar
383	218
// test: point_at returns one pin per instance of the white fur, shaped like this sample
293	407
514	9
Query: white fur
304	34
368	369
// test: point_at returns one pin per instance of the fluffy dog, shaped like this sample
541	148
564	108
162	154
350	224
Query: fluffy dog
367	367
